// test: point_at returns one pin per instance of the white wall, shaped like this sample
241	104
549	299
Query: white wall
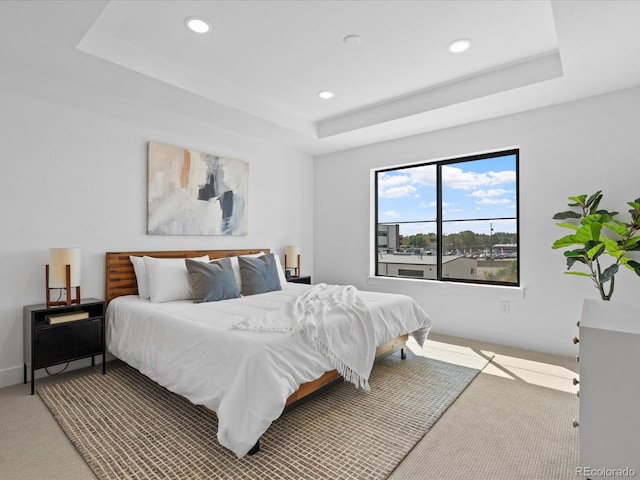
75	175
565	150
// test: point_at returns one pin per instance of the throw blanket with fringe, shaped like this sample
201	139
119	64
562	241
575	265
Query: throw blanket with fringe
335	321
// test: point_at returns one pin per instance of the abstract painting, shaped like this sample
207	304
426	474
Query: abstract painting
195	193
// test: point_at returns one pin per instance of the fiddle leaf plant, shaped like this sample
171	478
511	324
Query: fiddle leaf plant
599	241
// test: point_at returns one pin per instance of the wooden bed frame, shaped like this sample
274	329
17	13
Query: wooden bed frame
121	280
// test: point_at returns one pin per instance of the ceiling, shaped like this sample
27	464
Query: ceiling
263	64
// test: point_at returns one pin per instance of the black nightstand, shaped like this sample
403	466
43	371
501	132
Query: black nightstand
304	279
48	344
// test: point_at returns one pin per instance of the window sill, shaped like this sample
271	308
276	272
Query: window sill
450	287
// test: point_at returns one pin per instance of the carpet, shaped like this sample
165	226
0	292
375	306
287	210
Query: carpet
127	427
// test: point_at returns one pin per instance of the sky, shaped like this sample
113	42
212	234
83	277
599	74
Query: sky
474	189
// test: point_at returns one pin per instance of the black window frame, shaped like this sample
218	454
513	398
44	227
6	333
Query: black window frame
439	222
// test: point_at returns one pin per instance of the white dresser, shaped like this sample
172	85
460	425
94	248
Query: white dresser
610	389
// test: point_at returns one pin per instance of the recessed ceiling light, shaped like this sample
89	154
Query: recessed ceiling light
198	25
352	40
460	45
325	94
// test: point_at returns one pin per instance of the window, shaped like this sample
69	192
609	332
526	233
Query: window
453	220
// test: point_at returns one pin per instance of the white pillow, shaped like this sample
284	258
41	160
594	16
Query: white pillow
168	278
283	277
141	276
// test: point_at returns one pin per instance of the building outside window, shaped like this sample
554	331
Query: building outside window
452	220
389	237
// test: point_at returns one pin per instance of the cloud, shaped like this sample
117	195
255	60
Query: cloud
390	214
457	178
385	180
493	192
395	192
493	201
424	175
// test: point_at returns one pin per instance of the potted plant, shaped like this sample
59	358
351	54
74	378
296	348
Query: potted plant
598	235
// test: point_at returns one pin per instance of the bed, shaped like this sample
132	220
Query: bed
248	376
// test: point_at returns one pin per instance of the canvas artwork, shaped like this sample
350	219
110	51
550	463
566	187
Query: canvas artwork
195	193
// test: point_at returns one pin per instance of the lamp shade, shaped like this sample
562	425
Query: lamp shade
59	258
291	252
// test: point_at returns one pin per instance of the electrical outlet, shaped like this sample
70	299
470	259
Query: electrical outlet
505	307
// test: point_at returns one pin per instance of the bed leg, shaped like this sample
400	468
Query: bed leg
403	354
255	449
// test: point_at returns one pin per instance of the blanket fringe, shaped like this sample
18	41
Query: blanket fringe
343	369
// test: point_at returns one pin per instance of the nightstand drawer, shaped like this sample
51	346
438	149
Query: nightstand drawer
61	343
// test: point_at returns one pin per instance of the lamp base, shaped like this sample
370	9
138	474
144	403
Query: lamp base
296	270
68	300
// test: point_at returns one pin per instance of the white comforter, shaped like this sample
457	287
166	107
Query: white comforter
335	321
245	376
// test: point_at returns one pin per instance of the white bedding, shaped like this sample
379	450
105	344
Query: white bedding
245	376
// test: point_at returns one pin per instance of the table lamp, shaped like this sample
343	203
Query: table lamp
63	272
292	260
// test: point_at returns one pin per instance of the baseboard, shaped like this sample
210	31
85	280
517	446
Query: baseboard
15	375
509	339
11	376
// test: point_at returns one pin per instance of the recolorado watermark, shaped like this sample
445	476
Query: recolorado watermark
590	472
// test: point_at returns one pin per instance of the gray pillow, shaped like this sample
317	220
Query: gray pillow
259	274
212	281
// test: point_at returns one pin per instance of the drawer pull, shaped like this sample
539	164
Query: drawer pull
576	381
577	358
575	424
576	340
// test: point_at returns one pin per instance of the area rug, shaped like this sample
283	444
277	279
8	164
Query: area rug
127	427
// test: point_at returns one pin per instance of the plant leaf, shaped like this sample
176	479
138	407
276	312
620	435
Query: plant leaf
566	241
594	201
584	234
581	252
580	274
607	216
565	215
572	226
596	251
572	260
574	256
635	266
633	243
612	246
618	227
608	273
580	199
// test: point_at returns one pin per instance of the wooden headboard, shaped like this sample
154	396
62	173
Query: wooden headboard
121	279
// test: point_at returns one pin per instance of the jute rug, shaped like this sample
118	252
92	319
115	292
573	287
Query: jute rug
127	427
